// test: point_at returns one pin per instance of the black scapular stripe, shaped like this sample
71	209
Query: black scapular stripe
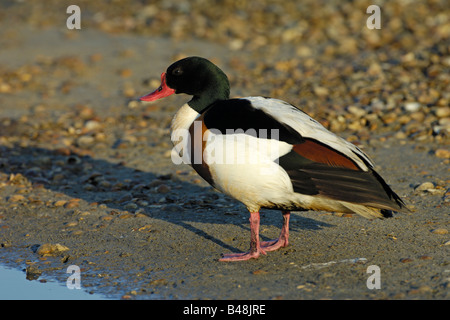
237	115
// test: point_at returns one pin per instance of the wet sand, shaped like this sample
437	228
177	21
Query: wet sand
85	166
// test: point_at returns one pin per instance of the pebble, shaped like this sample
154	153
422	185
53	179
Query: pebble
85	141
92	125
72	224
16	198
125	198
321	91
421	290
127	215
442	153
425	186
60	203
105	184
48	249
18	179
259	272
443	112
72	204
357	111
158	282
439	231
32	272
147	228
130	205
412	106
163	188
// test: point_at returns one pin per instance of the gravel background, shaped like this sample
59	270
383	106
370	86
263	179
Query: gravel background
85	170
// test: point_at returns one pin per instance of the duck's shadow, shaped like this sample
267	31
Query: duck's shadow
116	185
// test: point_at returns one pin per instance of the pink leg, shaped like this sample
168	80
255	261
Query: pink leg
283	240
255	247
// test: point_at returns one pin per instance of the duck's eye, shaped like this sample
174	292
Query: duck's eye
177	71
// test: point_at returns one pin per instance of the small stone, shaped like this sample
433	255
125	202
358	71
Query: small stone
32	273
321	91
5	88
143	203
72	160
425	186
89	187
236	44
71	204
85	141
58	177
163	188
421	290
147	227
400	135
158	282
129	92
86	112
92	125
72	224
125	198
126	216
60	203
18	179
348	215
442	153
412	106
48	249
439	231
105	184
259	272
443	112
130	206
16	198
125	73
357	111
133	104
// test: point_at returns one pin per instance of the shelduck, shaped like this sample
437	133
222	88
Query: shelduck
266	153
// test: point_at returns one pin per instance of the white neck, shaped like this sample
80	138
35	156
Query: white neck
183	120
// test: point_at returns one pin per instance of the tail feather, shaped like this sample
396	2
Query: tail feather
366	212
365	188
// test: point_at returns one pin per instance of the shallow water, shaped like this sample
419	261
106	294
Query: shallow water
15	286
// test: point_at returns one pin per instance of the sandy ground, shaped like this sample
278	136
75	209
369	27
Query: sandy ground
85	166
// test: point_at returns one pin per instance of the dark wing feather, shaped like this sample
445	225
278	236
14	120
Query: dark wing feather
316	169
